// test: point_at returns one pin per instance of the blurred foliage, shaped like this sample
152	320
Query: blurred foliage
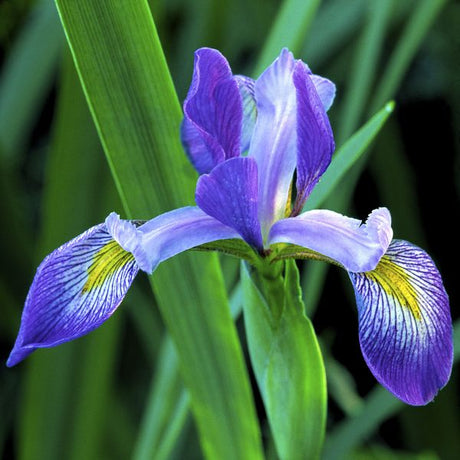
97	398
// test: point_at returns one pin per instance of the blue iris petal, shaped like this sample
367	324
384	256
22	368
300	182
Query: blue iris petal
405	327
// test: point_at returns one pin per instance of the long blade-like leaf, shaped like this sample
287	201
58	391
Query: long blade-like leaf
347	156
27	76
420	20
290	27
132	99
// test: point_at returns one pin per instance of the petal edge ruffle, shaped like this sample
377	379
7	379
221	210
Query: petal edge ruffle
356	246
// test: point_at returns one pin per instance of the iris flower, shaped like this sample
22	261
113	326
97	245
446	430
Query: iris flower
260	147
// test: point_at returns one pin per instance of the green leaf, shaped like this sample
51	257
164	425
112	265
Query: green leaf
92	389
132	99
421	18
364	67
330	31
290	27
27	77
347	156
287	360
166	409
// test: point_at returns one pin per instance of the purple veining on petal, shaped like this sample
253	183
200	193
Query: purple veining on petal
211	129
405	326
75	289
229	194
315	141
356	246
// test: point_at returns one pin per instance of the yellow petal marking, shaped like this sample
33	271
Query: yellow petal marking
396	282
107	261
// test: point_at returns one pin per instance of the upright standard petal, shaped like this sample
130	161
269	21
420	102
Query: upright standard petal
170	234
405	327
356	246
229	194
273	143
76	288
315	141
211	128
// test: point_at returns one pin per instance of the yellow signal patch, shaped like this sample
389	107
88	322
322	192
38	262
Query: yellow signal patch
107	261
395	281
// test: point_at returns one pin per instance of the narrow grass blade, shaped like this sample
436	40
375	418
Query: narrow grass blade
341	385
347	156
13	204
46	392
290	28
91	389
331	29
419	22
364	67
168	404
132	99
27	76
399	194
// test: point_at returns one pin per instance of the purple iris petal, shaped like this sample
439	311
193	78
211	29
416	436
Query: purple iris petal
229	194
76	288
315	141
246	86
172	233
356	246
405	327
273	143
211	128
325	89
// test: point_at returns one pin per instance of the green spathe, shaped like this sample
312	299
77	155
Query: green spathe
286	358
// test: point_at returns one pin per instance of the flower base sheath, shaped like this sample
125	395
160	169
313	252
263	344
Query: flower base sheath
248	139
